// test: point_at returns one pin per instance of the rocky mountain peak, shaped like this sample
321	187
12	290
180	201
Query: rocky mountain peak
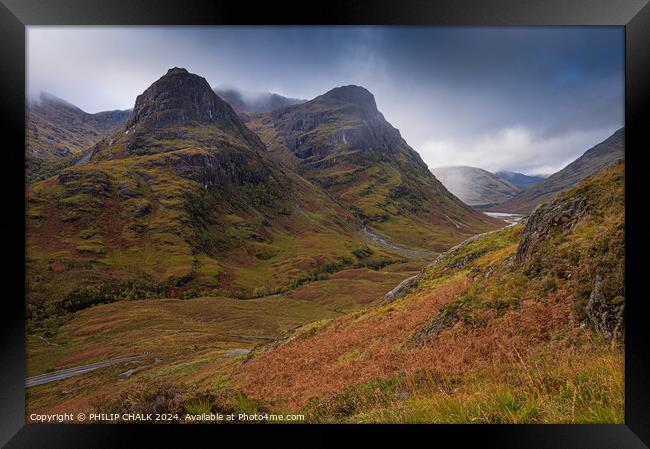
182	106
177	70
352	94
180	98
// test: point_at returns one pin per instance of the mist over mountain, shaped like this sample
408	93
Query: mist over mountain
475	186
255	102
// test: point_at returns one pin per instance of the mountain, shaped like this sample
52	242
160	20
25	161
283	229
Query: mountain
57	131
542	301
341	142
258	102
181	199
519	179
475	186
607	153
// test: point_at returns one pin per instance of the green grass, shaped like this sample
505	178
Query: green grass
586	389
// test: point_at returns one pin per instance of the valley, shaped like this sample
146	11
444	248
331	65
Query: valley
196	256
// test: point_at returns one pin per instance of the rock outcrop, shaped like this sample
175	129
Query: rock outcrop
180	98
560	215
606	315
402	289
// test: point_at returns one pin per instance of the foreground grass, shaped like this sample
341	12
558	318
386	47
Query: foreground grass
583	388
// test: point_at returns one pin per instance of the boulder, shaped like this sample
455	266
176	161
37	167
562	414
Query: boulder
402	289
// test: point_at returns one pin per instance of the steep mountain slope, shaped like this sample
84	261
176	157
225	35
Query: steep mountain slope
607	153
519	179
260	102
57	131
341	142
517	325
182	199
475	186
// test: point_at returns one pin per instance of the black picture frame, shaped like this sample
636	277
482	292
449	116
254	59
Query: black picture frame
634	15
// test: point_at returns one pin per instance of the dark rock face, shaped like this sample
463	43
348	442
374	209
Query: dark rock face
563	214
93	182
223	168
178	98
605	315
343	118
181	99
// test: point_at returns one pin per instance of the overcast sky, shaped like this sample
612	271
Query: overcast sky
523	99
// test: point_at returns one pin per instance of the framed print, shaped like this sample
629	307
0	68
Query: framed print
428	215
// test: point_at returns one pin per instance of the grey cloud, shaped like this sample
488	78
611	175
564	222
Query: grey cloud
499	98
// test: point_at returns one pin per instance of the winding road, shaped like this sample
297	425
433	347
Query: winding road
77	370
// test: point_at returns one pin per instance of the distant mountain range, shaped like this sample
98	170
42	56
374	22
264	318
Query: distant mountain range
512	192
605	154
183	194
58	131
519	179
475	186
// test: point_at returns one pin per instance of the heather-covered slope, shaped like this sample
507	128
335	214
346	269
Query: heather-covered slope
605	154
341	142
475	186
57	132
183	199
519	325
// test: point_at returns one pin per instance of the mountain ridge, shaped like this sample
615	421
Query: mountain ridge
186	197
474	186
57	132
595	159
519	179
342	142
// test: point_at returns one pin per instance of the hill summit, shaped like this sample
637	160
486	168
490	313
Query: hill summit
178	110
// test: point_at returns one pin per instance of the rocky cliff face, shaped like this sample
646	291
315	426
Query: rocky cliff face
580	237
178	110
551	218
344	118
180	98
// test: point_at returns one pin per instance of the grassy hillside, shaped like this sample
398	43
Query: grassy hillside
182	201
342	143
196	344
505	328
491	333
58	132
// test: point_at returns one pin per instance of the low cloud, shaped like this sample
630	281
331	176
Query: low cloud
514	148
